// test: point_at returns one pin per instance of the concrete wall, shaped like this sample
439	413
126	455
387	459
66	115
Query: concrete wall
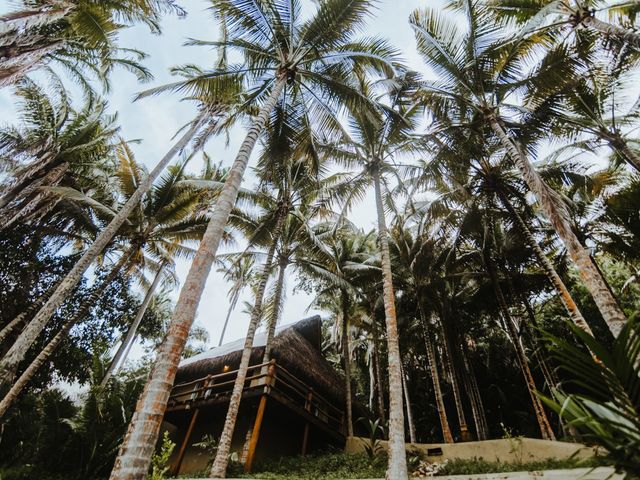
504	450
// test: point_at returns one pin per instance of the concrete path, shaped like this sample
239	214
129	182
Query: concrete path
600	473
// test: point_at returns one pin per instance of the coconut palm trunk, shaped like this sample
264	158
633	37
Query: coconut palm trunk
549	269
232	306
50	348
277	305
135	452
611	30
620	145
435	380
31	206
541	416
346	356
221	461
557	213
450	369
129	338
397	468
16	353
20	319
407	403
473	392
13	24
378	375
19	61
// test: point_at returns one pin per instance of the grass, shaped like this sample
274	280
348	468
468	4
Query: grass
333	466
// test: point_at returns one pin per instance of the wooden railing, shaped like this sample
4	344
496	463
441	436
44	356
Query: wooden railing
266	378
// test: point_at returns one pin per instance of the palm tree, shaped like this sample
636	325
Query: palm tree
156	233
56	145
340	270
240	272
282	52
597	108
475	89
79	36
373	146
212	110
552	15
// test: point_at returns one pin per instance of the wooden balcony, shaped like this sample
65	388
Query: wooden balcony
266	379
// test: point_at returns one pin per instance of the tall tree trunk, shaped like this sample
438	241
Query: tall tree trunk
16	353
232	306
407	403
20	319
619	144
450	369
19	60
376	364
346	356
541	416
558	214
277	304
221	461
136	450
549	269
13	23
128	339
53	344
435	379
473	392
609	29
397	468
25	210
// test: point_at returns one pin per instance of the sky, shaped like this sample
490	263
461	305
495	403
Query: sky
154	121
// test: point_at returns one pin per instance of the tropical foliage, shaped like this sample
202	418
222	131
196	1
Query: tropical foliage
499	167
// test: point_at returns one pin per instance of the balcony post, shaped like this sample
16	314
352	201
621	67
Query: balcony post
305	435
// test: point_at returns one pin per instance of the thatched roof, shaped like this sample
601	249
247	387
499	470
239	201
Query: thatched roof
296	346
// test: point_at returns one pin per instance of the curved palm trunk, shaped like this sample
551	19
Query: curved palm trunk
557	213
128	340
221	461
277	304
16	353
13	23
26	210
407	403
27	182
376	366
232	306
346	356
541	416
135	453
20	319
619	144
21	59
549	269
435	379
612	30
455	385
473	392
51	347
397	468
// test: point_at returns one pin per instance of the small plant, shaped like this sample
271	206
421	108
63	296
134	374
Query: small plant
515	442
372	445
160	460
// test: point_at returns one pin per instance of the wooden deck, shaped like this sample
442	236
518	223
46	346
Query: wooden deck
266	380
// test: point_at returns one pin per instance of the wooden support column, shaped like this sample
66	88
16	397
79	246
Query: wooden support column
192	423
255	435
305	435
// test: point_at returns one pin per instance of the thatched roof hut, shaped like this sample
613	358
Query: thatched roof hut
297	347
304	393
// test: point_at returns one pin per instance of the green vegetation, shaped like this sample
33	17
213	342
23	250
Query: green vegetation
503	162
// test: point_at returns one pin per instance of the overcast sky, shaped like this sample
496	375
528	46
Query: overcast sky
154	121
